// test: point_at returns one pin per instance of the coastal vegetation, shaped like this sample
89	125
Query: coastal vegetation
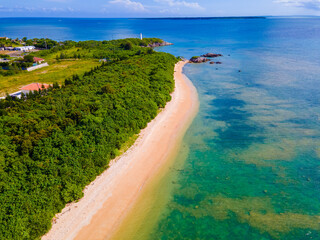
55	72
55	142
6	42
68	58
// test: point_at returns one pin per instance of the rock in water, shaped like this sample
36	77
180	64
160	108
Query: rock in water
211	55
198	59
159	44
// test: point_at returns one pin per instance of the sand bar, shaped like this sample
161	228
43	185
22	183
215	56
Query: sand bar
109	198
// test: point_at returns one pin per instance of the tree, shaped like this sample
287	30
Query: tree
127	46
28	58
108	89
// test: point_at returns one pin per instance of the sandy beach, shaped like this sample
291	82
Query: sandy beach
109	198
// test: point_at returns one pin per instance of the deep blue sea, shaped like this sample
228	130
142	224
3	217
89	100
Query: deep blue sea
252	169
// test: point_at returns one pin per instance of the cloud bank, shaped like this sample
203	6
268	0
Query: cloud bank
35	9
173	3
132	5
308	4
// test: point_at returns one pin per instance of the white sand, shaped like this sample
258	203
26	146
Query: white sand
109	198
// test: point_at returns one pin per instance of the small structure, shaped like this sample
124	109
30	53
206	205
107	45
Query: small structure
9	48
6	38
38	60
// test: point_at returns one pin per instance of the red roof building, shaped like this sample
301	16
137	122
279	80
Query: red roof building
35	86
38	60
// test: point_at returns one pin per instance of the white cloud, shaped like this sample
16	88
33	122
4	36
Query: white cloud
132	5
54	9
309	4
33	9
177	3
60	1
15	9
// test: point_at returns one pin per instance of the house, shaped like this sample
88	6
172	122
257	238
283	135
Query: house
6	38
30	88
34	87
38	60
27	89
9	48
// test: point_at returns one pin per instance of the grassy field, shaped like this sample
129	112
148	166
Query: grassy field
57	71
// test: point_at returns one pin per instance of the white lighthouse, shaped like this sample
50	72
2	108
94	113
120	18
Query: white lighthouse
141	36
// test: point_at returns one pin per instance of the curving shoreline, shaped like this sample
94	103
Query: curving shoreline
109	198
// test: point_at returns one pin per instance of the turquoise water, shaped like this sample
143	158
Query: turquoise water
253	164
253	168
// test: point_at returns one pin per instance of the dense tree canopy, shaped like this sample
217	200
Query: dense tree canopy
112	50
54	142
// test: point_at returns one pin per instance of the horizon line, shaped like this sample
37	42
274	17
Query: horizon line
220	17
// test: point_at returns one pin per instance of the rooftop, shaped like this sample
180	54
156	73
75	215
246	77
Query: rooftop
36	59
35	86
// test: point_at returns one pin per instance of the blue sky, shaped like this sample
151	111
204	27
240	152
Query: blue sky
156	8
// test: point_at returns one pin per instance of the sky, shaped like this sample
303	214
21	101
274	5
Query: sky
157	8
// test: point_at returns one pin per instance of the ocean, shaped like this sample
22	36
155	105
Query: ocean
249	165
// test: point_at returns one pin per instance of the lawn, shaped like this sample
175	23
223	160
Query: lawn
57	71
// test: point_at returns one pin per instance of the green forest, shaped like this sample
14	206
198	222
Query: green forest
55	142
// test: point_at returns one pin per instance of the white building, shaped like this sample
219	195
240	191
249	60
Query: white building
25	48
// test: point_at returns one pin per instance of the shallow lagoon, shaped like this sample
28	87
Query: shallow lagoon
253	167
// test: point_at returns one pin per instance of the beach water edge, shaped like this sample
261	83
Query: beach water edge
109	199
